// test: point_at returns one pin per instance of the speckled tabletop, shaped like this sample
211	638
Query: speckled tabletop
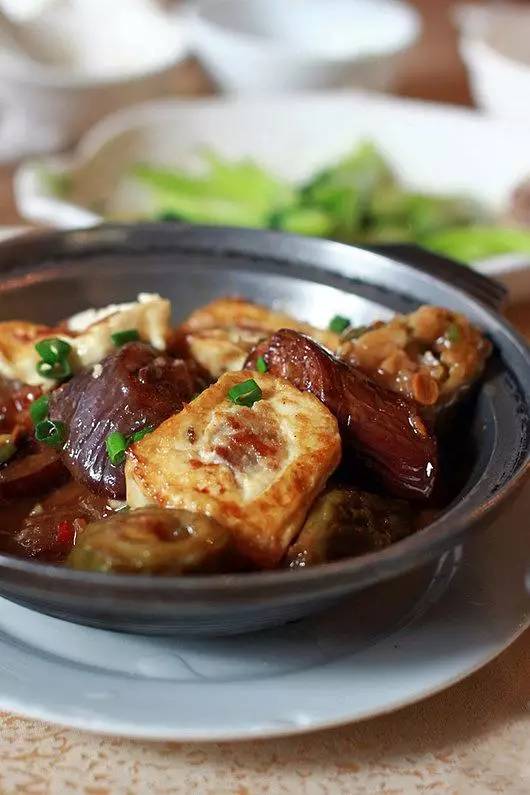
472	738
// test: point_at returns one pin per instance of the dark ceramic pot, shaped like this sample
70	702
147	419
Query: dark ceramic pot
48	276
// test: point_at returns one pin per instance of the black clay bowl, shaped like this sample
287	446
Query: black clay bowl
48	276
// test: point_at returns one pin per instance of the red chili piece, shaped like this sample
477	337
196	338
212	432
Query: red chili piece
65	532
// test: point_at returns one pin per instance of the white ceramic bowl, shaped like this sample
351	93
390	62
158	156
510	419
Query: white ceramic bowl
275	45
107	58
495	46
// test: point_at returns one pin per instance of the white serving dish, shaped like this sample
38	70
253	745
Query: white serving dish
424	632
495	46
94	58
273	45
433	148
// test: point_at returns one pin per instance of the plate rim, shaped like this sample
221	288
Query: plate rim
130	729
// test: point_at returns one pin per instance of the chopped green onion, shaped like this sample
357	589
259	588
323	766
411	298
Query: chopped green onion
261	365
57	372
116	444
354	333
53	350
38	410
139	435
245	394
52	432
121	337
453	333
338	324
7	451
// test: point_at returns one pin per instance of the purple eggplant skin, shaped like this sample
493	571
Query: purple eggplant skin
383	428
35	470
133	388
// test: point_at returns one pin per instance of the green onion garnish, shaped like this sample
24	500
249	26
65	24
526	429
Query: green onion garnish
138	435
261	365
38	410
58	371
338	324
53	350
7	451
354	333
121	337
54	354
52	432
245	394
453	333
116	444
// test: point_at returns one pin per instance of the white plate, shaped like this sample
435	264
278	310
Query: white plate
433	147
370	655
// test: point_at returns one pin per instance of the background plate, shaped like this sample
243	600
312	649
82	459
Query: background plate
436	148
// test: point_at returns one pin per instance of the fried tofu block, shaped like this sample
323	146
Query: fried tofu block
18	357
221	350
89	334
255	470
221	334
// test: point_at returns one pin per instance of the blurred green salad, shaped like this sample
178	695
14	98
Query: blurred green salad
357	200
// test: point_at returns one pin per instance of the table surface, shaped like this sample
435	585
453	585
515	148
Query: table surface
472	738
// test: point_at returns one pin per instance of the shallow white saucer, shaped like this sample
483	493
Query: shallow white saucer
383	649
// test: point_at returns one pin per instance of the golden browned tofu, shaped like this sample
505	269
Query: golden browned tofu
88	333
221	334
255	470
18	357
221	350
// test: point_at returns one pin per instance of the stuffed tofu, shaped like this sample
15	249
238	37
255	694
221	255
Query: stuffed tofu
252	452
89	337
221	334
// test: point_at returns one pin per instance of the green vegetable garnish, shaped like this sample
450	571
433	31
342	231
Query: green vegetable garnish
139	435
453	333
261	365
53	350
52	432
354	333
58	371
338	324
38	410
246	393
121	337
7	451
54	354
116	444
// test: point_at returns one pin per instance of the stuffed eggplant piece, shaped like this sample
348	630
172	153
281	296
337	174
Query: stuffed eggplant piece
131	391
432	355
151	541
49	530
383	428
33	470
345	522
